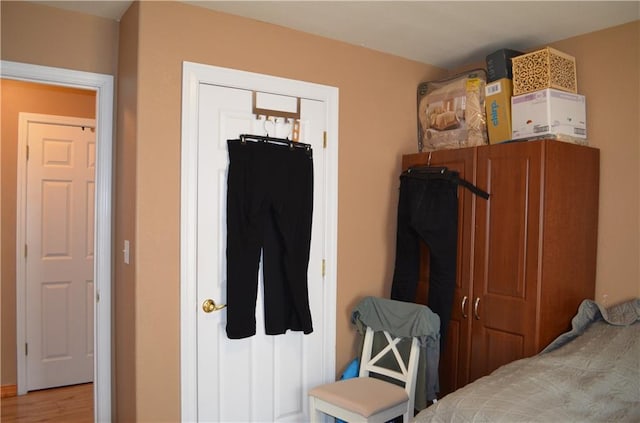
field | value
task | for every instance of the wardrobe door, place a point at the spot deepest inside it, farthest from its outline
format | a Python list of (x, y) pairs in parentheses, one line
[(569, 249), (454, 362), (506, 255)]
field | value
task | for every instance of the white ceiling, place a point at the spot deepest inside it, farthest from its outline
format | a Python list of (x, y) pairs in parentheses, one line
[(441, 33)]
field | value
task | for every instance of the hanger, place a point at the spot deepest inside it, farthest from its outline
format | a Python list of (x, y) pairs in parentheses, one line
[(432, 170), (427, 169), (425, 172), (244, 138)]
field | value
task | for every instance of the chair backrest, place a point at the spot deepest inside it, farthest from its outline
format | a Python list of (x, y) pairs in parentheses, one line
[(396, 368)]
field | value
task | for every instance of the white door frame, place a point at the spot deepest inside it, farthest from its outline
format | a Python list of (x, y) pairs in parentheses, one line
[(194, 74), (103, 86)]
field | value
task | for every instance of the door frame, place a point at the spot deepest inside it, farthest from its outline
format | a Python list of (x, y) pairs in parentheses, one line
[(194, 74), (103, 86), (22, 298)]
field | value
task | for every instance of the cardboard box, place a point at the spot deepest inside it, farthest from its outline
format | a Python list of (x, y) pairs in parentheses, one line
[(497, 103), (549, 113), (546, 68), (499, 64)]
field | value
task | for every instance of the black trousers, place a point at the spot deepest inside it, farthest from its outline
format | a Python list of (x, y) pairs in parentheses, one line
[(427, 211), (269, 211)]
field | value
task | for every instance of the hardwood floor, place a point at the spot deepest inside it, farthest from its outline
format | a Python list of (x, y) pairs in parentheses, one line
[(67, 404)]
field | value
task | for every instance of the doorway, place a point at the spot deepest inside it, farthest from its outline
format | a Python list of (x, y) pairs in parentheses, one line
[(102, 85)]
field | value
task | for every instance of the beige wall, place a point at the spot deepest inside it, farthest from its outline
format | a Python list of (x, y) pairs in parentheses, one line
[(125, 219), (377, 125), (32, 33), (19, 97), (608, 68)]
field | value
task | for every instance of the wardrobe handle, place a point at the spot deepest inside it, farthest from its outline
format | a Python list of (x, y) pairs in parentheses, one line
[(475, 308), (464, 306)]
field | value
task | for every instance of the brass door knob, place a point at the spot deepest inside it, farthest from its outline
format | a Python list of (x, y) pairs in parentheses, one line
[(209, 305)]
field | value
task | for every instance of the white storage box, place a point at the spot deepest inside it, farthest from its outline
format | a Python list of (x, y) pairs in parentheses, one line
[(549, 113)]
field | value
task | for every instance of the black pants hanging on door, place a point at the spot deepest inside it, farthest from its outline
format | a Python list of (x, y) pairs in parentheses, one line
[(269, 211), (427, 211)]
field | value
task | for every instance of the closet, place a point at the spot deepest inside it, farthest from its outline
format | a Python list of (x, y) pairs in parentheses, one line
[(526, 256)]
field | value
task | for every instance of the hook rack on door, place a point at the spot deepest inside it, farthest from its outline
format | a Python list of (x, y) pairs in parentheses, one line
[(272, 113)]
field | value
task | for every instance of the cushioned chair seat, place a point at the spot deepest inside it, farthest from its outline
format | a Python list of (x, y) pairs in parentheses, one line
[(364, 395)]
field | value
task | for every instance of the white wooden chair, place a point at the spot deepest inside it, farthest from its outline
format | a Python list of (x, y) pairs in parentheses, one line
[(369, 399)]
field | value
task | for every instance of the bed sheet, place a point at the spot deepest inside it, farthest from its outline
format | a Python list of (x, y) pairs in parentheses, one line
[(590, 374)]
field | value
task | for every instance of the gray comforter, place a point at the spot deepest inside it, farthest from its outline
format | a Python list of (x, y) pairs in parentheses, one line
[(590, 374)]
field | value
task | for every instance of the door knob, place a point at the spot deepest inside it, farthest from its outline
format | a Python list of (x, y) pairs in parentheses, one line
[(209, 305)]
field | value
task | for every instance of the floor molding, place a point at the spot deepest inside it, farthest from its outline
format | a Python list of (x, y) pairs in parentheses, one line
[(8, 391)]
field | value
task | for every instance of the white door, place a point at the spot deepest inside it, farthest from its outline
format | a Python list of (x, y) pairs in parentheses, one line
[(262, 378), (59, 254)]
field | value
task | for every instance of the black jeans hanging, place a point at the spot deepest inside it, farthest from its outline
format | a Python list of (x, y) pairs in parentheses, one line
[(427, 211), (269, 210)]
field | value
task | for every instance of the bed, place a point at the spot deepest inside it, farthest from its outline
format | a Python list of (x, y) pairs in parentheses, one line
[(590, 374)]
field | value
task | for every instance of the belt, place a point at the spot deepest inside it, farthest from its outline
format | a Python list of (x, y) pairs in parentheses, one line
[(445, 174)]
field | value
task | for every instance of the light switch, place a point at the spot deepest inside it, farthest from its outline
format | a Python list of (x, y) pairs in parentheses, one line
[(126, 251)]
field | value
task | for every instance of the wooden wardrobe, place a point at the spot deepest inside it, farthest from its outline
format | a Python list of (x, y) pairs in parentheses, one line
[(526, 256)]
